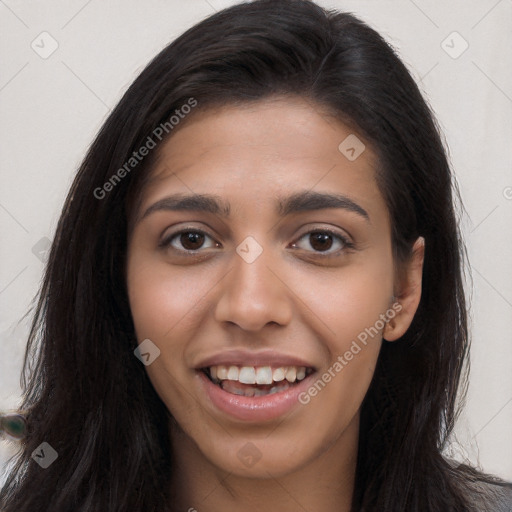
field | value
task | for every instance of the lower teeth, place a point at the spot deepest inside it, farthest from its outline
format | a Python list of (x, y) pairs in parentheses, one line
[(250, 391)]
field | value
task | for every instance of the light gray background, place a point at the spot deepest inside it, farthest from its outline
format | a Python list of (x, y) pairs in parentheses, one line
[(50, 109)]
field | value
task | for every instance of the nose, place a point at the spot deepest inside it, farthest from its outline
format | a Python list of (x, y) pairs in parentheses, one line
[(254, 294)]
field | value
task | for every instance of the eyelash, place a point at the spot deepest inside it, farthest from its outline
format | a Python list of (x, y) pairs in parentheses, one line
[(347, 245)]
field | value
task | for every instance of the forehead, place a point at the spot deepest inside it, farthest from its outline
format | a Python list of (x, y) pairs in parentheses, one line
[(256, 152)]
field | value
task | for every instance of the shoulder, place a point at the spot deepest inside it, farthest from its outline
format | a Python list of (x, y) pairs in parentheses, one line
[(491, 496)]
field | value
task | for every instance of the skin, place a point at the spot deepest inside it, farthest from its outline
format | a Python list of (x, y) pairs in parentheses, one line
[(289, 299)]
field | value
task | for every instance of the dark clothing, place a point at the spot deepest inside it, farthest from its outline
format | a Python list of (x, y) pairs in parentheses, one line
[(493, 498)]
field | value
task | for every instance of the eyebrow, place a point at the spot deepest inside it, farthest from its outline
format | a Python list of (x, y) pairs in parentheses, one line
[(295, 203)]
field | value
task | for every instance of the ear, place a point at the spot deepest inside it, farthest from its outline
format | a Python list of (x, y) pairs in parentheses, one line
[(407, 293)]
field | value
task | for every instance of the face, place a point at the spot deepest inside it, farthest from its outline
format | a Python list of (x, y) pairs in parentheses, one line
[(269, 286)]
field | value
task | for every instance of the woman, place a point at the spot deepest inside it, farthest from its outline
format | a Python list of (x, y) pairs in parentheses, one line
[(254, 298)]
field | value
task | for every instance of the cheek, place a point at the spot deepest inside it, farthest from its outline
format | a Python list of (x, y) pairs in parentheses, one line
[(161, 297), (163, 303), (167, 306), (351, 307), (349, 301)]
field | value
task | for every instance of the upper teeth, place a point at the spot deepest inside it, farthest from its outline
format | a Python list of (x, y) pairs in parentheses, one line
[(258, 374)]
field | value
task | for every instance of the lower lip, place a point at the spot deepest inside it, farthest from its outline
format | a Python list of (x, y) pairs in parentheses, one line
[(257, 408)]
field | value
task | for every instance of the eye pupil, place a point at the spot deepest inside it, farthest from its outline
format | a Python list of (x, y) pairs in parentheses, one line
[(192, 237), (321, 238)]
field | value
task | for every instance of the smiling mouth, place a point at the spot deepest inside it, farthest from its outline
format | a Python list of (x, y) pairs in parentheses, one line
[(256, 381)]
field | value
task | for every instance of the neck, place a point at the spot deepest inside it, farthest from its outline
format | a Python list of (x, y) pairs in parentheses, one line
[(325, 482)]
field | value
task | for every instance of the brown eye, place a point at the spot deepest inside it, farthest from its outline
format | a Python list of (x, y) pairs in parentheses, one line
[(322, 241), (191, 240), (187, 240)]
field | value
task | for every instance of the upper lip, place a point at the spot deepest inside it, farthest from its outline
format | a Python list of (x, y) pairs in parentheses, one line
[(247, 358)]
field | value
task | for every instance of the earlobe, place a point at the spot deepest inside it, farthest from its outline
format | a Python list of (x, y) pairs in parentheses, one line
[(407, 294)]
